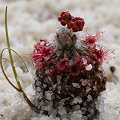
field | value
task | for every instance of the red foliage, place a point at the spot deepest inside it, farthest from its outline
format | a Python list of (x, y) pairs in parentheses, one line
[(89, 38), (100, 55)]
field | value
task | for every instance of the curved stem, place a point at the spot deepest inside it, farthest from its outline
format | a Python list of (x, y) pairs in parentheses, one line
[(6, 75), (10, 55), (19, 89)]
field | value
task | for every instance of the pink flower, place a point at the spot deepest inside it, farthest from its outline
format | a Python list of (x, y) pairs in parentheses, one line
[(63, 65), (42, 52)]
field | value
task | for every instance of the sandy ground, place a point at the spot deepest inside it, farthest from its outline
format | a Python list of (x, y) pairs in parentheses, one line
[(28, 21)]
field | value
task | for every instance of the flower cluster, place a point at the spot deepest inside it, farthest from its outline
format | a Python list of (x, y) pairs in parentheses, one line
[(74, 23)]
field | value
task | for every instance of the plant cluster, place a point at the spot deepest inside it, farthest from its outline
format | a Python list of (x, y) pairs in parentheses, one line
[(69, 69)]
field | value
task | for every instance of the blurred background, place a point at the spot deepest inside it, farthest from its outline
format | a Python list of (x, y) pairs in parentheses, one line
[(29, 20)]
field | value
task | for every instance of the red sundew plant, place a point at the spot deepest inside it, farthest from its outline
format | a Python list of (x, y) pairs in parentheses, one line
[(66, 70), (42, 52)]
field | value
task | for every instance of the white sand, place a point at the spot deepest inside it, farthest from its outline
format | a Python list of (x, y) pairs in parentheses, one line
[(28, 20)]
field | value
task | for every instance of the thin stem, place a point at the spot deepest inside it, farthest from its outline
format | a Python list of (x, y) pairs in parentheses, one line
[(10, 55), (12, 64)]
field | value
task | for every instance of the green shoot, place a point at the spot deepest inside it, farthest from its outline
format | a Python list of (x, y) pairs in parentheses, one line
[(10, 55)]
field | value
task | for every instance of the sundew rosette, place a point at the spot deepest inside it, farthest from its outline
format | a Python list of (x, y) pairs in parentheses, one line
[(69, 76)]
